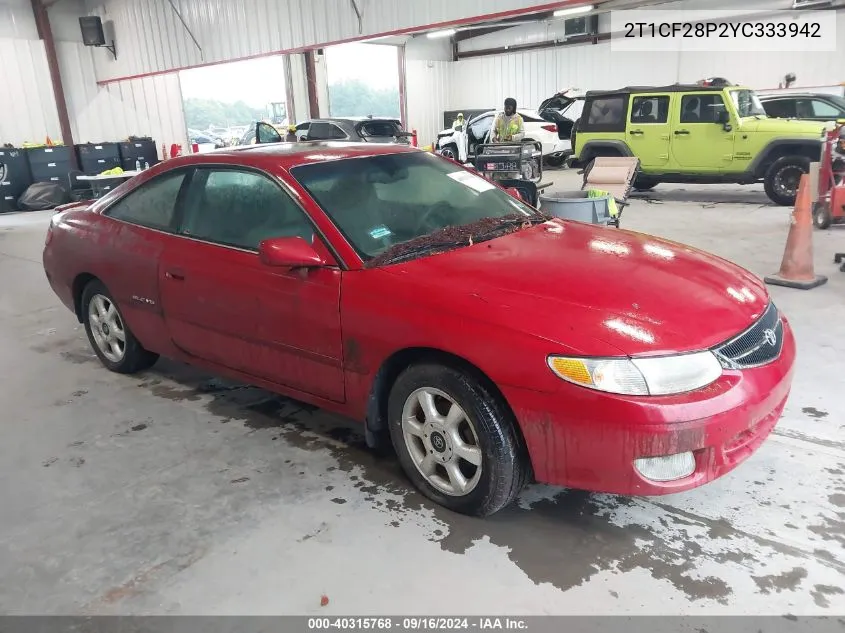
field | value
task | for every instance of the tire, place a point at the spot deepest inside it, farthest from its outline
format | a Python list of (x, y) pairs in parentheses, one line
[(122, 357), (781, 179), (486, 432), (822, 218), (644, 183), (450, 151), (554, 161)]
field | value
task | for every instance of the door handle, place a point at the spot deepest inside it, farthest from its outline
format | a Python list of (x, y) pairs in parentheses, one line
[(637, 132), (175, 274), (679, 132)]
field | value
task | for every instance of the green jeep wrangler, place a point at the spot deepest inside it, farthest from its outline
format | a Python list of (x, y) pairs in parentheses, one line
[(697, 134)]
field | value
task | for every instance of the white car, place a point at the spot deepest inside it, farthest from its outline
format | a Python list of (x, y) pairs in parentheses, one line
[(551, 125)]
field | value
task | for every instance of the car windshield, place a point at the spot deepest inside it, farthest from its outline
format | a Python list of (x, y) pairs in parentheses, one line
[(410, 203), (747, 103)]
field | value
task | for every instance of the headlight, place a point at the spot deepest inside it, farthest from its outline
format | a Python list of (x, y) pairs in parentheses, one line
[(640, 376)]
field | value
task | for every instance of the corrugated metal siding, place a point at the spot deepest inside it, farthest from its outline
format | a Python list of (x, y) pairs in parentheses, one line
[(16, 20), (149, 106), (529, 77), (150, 37), (428, 89), (28, 106)]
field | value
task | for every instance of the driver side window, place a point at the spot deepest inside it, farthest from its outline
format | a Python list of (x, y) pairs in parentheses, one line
[(239, 208)]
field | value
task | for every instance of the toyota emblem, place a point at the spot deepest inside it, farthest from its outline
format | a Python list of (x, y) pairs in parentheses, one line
[(770, 337)]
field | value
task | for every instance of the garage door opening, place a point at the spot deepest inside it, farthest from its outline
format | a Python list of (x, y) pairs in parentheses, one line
[(223, 102), (363, 80)]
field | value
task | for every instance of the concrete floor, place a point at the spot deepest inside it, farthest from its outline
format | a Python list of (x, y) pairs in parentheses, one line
[(174, 492)]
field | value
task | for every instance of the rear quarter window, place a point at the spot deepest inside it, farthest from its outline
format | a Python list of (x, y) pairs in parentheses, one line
[(379, 128), (605, 114)]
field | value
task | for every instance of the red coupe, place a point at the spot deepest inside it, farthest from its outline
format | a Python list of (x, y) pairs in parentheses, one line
[(492, 344)]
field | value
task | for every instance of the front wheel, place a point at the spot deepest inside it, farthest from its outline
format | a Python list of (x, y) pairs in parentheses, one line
[(783, 177), (555, 161), (449, 151), (110, 337), (456, 442)]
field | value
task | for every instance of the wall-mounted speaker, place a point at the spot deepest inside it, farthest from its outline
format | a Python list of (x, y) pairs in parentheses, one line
[(92, 31)]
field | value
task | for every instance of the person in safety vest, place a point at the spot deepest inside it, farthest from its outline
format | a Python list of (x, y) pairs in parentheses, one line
[(458, 124), (508, 125)]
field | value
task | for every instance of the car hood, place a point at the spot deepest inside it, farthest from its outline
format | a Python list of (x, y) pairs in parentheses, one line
[(592, 290), (785, 126)]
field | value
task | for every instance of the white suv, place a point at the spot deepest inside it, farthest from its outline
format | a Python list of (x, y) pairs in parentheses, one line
[(551, 125)]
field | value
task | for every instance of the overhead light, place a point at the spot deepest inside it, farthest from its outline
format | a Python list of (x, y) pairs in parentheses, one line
[(445, 33), (574, 10)]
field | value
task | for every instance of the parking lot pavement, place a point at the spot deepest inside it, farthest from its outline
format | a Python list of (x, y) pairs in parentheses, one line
[(178, 492)]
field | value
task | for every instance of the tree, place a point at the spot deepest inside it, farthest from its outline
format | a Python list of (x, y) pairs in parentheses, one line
[(202, 113), (355, 98)]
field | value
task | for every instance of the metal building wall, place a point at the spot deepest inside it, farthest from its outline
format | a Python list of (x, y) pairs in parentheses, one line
[(28, 106), (149, 106), (428, 91), (151, 38), (16, 20), (484, 82)]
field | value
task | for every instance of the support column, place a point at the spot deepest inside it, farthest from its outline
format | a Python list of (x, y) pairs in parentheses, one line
[(311, 80), (290, 97), (45, 33), (403, 101)]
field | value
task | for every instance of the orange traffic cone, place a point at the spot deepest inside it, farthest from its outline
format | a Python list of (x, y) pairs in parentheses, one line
[(796, 269)]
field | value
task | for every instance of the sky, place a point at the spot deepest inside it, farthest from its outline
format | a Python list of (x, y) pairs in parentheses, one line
[(260, 81)]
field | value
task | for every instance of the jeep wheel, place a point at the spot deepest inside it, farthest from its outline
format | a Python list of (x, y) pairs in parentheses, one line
[(782, 179), (644, 183)]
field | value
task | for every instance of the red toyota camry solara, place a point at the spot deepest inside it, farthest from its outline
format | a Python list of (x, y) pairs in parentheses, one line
[(493, 345)]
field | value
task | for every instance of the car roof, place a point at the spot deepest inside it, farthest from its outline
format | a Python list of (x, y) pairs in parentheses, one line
[(793, 95), (289, 155), (355, 119), (672, 88)]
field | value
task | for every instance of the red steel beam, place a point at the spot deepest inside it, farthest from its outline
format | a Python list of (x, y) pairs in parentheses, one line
[(311, 81), (45, 32)]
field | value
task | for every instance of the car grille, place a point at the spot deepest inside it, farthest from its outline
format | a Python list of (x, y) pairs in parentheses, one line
[(758, 345)]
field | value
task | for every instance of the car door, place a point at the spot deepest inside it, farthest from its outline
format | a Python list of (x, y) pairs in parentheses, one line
[(223, 305), (478, 132), (266, 133), (648, 131), (133, 244), (699, 140)]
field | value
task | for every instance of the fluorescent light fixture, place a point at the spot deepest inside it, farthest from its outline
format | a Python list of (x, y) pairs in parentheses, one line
[(444, 33), (574, 10)]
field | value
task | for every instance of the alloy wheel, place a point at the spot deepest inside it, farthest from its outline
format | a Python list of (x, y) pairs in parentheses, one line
[(442, 441), (107, 328)]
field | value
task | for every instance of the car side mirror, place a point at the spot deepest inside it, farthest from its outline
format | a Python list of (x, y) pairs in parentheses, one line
[(289, 252), (724, 119)]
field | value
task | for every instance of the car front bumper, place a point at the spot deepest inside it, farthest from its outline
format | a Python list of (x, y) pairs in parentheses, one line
[(589, 440)]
